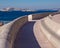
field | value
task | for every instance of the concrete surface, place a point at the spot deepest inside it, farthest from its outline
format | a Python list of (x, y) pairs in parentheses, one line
[(25, 32), (4, 30), (41, 37), (56, 18)]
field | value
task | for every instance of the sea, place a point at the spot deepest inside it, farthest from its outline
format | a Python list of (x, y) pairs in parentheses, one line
[(7, 16)]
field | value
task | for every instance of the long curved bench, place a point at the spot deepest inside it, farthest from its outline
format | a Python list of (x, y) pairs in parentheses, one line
[(49, 28), (54, 26)]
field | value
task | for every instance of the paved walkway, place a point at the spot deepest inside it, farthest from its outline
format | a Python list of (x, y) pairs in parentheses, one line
[(30, 36), (26, 38)]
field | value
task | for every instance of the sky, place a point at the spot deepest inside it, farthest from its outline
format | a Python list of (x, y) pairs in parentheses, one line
[(31, 4)]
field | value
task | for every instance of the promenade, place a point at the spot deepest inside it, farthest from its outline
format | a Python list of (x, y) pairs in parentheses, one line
[(31, 32), (31, 36)]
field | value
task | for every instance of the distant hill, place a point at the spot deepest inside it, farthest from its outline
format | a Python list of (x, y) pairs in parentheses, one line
[(16, 9), (27, 10)]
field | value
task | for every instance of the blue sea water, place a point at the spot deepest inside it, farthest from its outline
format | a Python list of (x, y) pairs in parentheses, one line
[(7, 16)]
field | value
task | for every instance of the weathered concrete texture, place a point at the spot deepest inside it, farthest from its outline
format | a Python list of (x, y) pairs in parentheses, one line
[(56, 18), (4, 30), (39, 16), (51, 24)]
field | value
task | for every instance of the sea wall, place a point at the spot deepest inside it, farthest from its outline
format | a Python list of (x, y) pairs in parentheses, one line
[(39, 16), (11, 29), (18, 23), (54, 13)]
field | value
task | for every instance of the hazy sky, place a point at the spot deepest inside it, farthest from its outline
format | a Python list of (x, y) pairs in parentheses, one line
[(33, 4)]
